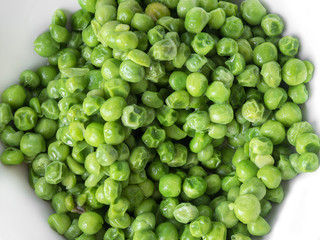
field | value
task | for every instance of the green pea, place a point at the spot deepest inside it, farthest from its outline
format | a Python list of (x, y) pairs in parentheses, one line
[(170, 185), (289, 46), (185, 212), (114, 133), (264, 53), (45, 45), (32, 144), (196, 84), (247, 208), (12, 156), (288, 114), (232, 27), (196, 19), (14, 95), (272, 25), (217, 18), (153, 137), (294, 72), (90, 222), (221, 113), (60, 222), (218, 231), (252, 11), (45, 190)]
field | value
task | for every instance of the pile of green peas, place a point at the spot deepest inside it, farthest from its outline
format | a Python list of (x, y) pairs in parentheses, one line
[(161, 120)]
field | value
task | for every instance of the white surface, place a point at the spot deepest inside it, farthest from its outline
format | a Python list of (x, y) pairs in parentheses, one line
[(23, 216)]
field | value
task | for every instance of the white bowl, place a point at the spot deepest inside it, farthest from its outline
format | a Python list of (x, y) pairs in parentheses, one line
[(24, 216)]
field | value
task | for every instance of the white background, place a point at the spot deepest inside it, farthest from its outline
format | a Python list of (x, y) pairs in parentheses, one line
[(24, 216)]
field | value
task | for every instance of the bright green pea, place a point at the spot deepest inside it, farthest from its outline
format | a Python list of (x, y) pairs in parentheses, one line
[(247, 208), (170, 185), (59, 222), (45, 45), (45, 190), (200, 227), (252, 11), (217, 18), (249, 77), (32, 144), (218, 231), (227, 47), (195, 62), (265, 52), (114, 133), (196, 84), (270, 176), (294, 72), (196, 19), (202, 43), (90, 222), (116, 87), (12, 156), (288, 114), (272, 25), (253, 111), (289, 46), (194, 186), (260, 227), (185, 212), (221, 113), (275, 97), (232, 27), (299, 93), (133, 116), (271, 73), (131, 71), (236, 64), (163, 50), (153, 137), (25, 118)]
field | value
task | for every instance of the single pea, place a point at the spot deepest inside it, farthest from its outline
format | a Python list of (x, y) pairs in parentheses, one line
[(299, 93), (252, 11), (236, 64), (90, 222), (114, 133), (275, 97), (221, 113), (12, 156), (288, 114), (14, 95), (194, 186), (247, 208), (265, 52), (249, 77), (170, 185), (196, 19), (59, 222), (45, 45), (32, 144), (202, 43), (272, 25), (289, 46), (217, 18), (185, 212), (200, 227), (196, 84), (294, 72), (252, 111), (270, 176), (232, 27)]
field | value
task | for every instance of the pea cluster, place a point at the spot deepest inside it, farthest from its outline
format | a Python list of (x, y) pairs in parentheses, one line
[(161, 120)]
